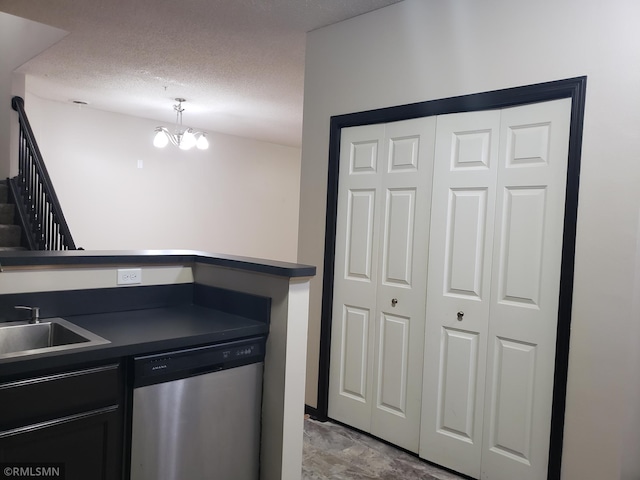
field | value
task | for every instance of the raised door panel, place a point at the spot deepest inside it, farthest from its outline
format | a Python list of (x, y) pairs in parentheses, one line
[(400, 308), (457, 384), (511, 422), (356, 275), (391, 394), (525, 290), (459, 276), (465, 248), (359, 236), (397, 256), (519, 277), (354, 353)]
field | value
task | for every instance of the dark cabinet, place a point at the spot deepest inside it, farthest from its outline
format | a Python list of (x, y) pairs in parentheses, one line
[(72, 418)]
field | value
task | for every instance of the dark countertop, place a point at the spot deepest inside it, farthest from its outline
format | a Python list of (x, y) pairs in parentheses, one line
[(152, 257), (139, 332)]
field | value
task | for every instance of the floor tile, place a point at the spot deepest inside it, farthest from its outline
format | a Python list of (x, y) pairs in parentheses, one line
[(335, 452)]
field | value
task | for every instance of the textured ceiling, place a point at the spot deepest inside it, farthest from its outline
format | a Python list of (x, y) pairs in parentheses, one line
[(239, 63)]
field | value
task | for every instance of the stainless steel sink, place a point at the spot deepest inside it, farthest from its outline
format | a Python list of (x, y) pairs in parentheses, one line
[(51, 335)]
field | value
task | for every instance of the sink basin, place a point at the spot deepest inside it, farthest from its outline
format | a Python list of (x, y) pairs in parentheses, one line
[(52, 335)]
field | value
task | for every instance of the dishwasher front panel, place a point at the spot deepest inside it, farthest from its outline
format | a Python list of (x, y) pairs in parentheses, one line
[(197, 428)]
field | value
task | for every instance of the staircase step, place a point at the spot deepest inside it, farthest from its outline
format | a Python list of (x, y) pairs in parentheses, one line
[(9, 236), (12, 249), (4, 192), (6, 213)]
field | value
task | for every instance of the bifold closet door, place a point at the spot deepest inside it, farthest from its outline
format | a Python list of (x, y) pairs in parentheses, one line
[(459, 287), (493, 289), (378, 316), (525, 289)]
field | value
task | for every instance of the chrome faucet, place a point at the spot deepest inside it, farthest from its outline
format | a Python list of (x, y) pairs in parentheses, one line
[(35, 313)]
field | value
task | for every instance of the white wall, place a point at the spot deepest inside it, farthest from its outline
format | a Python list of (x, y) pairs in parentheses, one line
[(421, 50), (20, 40), (240, 197)]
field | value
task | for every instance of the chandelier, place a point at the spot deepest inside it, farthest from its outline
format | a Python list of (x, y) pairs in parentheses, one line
[(183, 138)]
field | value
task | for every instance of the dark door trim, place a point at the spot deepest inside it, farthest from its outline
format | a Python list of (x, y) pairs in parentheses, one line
[(574, 88)]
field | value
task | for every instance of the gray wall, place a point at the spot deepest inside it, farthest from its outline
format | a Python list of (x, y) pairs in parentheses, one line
[(421, 50), (20, 40)]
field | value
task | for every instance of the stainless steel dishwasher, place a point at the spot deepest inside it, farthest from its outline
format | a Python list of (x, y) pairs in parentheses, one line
[(196, 413)]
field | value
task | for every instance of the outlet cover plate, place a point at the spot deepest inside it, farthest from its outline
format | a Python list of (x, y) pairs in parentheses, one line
[(129, 276)]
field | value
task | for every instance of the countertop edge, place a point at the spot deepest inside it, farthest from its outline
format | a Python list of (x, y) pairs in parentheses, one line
[(148, 257)]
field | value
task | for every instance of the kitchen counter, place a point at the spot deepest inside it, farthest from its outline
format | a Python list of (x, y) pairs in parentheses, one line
[(82, 287), (139, 332)]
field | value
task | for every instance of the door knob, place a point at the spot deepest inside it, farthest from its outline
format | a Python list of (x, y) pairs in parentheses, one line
[(394, 302), (460, 315)]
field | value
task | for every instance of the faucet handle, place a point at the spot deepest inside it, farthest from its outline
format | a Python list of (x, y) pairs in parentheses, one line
[(35, 312)]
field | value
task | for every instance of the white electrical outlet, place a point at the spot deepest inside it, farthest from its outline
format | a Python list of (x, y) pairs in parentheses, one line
[(129, 276)]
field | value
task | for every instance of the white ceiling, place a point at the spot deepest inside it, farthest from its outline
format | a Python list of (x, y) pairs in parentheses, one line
[(239, 63)]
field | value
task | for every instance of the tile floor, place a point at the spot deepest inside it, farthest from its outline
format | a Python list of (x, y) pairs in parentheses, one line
[(332, 451)]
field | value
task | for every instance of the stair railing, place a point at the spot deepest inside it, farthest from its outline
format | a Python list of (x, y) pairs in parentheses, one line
[(32, 187)]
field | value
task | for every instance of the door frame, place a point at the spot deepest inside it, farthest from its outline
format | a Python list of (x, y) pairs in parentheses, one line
[(574, 88)]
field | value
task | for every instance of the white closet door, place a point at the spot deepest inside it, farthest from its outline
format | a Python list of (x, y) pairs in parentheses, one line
[(380, 278), (355, 276), (461, 244), (404, 243), (525, 290), (495, 256)]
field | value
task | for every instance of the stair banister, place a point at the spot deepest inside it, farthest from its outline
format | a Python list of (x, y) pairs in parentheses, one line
[(34, 190)]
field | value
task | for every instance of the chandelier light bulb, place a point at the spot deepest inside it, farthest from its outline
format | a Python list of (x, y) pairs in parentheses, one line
[(202, 142), (160, 140), (188, 140)]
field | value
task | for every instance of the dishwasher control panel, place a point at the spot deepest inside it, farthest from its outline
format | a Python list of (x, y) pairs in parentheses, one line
[(240, 352), (162, 367)]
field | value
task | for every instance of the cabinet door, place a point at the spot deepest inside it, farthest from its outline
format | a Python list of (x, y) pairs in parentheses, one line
[(73, 418), (87, 444)]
